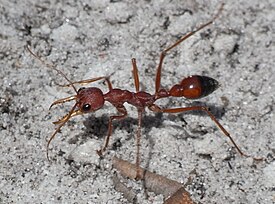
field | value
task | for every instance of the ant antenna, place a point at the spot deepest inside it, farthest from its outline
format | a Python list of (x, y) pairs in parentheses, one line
[(72, 112), (51, 66)]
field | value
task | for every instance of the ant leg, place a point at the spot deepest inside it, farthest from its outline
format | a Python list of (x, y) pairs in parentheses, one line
[(61, 73), (135, 74), (75, 113), (138, 137), (155, 108), (123, 112), (63, 100), (62, 122), (164, 52), (87, 81)]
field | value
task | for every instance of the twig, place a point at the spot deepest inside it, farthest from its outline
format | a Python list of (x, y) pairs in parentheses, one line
[(154, 182), (181, 196), (128, 193)]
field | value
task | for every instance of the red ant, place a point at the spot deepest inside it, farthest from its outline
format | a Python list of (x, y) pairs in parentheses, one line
[(91, 99)]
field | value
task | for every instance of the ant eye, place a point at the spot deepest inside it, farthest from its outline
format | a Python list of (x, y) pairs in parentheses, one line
[(80, 89), (86, 107)]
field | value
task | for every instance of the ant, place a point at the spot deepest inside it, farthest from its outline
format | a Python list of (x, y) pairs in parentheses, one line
[(92, 99)]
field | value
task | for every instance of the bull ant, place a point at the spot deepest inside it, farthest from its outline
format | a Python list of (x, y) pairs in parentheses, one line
[(92, 99)]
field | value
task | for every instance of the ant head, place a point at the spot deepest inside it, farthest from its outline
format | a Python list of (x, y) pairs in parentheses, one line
[(89, 99)]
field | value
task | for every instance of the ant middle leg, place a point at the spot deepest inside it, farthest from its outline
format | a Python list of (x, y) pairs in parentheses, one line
[(183, 38), (123, 112), (138, 137), (156, 108), (135, 74)]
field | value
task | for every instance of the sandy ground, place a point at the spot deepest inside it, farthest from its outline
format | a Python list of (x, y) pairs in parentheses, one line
[(87, 40)]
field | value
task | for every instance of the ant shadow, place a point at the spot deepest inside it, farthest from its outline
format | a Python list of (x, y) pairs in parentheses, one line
[(98, 126)]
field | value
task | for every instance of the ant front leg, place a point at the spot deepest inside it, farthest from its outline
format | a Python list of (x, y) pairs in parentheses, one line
[(123, 112), (156, 108), (63, 100), (88, 81)]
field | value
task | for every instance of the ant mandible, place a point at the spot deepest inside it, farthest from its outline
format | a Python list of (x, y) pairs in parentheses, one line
[(91, 99)]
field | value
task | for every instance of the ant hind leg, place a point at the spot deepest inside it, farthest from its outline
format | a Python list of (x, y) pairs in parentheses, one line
[(155, 108), (183, 38)]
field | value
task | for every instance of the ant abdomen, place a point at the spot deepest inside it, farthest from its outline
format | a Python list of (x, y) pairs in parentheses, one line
[(194, 87)]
